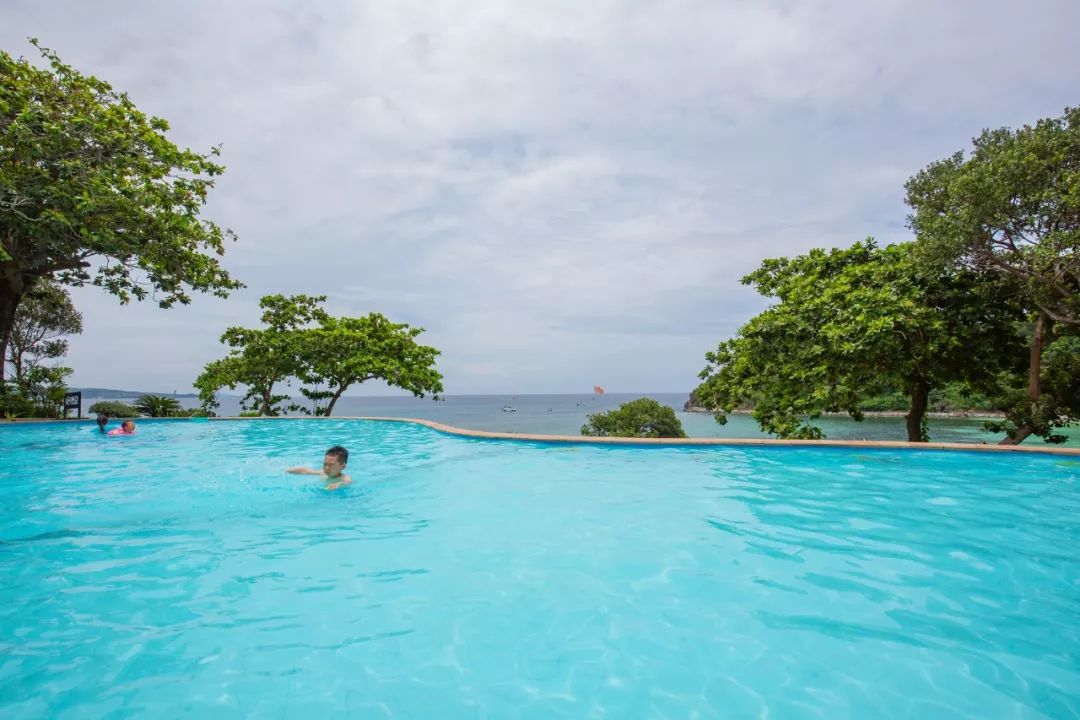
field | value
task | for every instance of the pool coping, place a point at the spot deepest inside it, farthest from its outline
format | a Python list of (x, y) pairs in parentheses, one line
[(684, 442), (644, 442)]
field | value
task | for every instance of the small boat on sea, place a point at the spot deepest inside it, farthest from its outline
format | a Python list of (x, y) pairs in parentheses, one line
[(507, 408)]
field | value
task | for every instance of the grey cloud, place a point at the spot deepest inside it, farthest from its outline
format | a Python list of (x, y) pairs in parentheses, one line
[(561, 193)]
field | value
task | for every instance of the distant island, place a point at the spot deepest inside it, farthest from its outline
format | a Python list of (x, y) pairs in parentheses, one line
[(112, 393)]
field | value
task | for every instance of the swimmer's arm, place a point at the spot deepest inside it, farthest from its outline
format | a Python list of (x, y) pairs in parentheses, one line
[(303, 471), (345, 480)]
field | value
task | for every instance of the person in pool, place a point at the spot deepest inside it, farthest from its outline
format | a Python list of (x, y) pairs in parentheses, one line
[(102, 421), (126, 428), (333, 464)]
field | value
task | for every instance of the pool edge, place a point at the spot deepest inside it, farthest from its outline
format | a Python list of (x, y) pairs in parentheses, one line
[(685, 442)]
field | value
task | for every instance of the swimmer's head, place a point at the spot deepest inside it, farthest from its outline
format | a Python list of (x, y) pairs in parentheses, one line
[(102, 421), (128, 426), (335, 460)]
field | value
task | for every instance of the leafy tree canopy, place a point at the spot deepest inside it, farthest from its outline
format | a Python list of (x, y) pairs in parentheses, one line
[(112, 408), (1013, 208), (343, 352), (263, 359), (158, 406), (40, 393), (644, 418), (92, 191), (1058, 401), (325, 355), (44, 319), (850, 324)]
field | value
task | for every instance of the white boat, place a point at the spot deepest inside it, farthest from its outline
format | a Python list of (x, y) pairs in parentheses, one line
[(507, 408)]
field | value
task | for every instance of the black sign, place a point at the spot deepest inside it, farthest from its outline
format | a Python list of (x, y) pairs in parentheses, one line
[(73, 401)]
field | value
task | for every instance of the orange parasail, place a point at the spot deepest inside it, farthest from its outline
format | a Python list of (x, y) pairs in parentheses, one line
[(598, 390)]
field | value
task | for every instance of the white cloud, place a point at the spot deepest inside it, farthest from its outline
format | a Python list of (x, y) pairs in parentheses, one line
[(561, 193)]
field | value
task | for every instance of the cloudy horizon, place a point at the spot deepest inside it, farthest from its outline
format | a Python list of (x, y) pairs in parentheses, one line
[(561, 195)]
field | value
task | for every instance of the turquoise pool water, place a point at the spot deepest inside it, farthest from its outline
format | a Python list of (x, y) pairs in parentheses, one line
[(565, 414), (181, 573)]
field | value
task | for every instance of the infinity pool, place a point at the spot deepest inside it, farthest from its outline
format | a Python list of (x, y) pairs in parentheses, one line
[(181, 573)]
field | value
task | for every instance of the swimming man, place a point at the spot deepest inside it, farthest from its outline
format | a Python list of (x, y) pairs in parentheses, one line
[(333, 464)]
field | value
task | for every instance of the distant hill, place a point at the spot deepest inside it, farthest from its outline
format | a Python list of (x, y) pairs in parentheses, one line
[(111, 393)]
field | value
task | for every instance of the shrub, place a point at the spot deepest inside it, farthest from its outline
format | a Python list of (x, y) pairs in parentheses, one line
[(158, 406), (40, 393), (14, 404), (113, 408), (45, 386), (644, 417)]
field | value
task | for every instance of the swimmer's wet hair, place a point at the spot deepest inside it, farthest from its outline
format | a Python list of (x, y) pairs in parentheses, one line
[(340, 453)]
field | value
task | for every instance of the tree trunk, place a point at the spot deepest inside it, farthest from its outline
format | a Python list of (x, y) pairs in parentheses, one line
[(1038, 340), (16, 364), (12, 287), (920, 393), (266, 393), (334, 399)]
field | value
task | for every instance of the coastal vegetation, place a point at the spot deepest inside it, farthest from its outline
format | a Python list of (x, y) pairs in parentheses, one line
[(853, 323), (159, 406), (93, 192), (1012, 209), (643, 418), (301, 345), (989, 287), (43, 322), (38, 336), (981, 310), (114, 409), (148, 405)]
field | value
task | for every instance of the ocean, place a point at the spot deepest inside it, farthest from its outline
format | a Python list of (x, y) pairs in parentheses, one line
[(565, 414)]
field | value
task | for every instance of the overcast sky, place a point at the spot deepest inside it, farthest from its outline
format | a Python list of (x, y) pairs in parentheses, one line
[(561, 193)]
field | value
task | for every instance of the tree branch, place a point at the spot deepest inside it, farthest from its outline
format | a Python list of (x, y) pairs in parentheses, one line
[(1058, 317)]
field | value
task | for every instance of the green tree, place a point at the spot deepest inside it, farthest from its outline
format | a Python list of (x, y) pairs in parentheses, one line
[(263, 359), (114, 408), (218, 374), (328, 355), (13, 403), (850, 325), (44, 386), (644, 418), (1058, 404), (158, 406), (44, 318), (1012, 208), (92, 191), (345, 351)]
